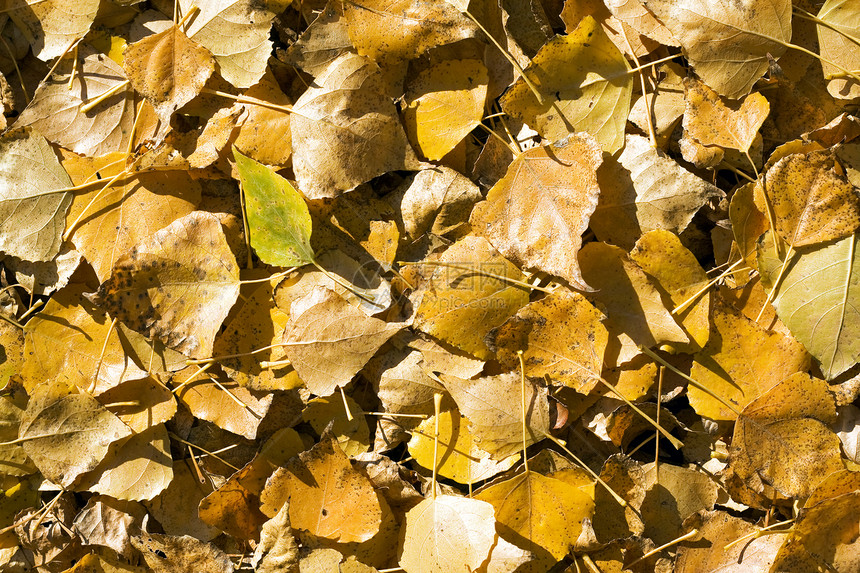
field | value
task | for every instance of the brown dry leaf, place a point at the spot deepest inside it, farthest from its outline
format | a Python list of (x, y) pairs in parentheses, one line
[(561, 335), (65, 433), (782, 437), (277, 551), (662, 255), (713, 120), (131, 210), (543, 513), (537, 213), (176, 507), (627, 478), (812, 202), (824, 535), (447, 533), (458, 455), (32, 181), (740, 362), (727, 43), (673, 494), (225, 404), (73, 341), (109, 523), (633, 304), (719, 530), (135, 469), (52, 25), (395, 30), (324, 40), (585, 83), (185, 554), (438, 201), (328, 341), (345, 115), (55, 108), (837, 36), (94, 563), (657, 193), (177, 285), (168, 69), (337, 502), (462, 303), (493, 406), (443, 104)]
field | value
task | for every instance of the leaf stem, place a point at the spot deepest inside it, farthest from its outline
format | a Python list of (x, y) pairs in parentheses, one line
[(437, 406), (92, 201), (683, 306), (502, 278), (690, 534), (523, 408), (621, 501), (207, 452), (91, 103), (757, 533)]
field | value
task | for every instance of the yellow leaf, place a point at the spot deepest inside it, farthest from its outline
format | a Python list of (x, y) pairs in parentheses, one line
[(837, 37), (168, 554), (537, 213), (51, 25), (140, 404), (585, 84), (713, 120), (168, 69), (176, 507), (264, 134), (225, 404), (443, 104), (353, 436)]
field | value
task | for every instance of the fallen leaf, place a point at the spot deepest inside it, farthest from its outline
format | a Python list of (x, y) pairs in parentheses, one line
[(665, 107), (634, 13), (13, 458), (342, 117), (338, 502), (178, 285), (544, 229), (55, 108), (225, 404), (656, 194), (328, 341), (816, 301), (175, 554), (727, 43), (33, 182), (585, 83), (836, 33), (447, 533), (353, 436), (176, 507), (671, 496), (109, 523), (324, 40), (463, 303), (561, 336), (438, 201), (713, 120), (278, 551), (740, 362), (265, 132), (493, 406), (65, 433), (443, 104), (52, 25), (782, 437), (168, 69)]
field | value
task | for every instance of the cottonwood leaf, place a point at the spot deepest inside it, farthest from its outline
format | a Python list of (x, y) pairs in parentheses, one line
[(278, 218), (537, 213), (493, 406), (265, 132), (546, 512), (324, 40), (52, 25), (395, 30), (240, 413), (585, 83), (461, 304), (561, 336), (457, 456), (447, 533), (234, 509), (633, 304), (73, 341), (837, 37), (727, 43), (138, 468), (748, 220), (128, 212), (672, 496), (185, 554), (782, 437), (32, 182), (237, 33), (178, 285), (713, 120), (438, 201), (656, 194), (740, 362), (817, 299), (811, 202), (140, 404), (55, 112), (168, 69), (443, 104), (353, 436), (338, 502), (635, 14), (109, 523), (67, 434), (13, 458), (176, 507), (664, 107), (277, 551), (328, 341), (343, 116)]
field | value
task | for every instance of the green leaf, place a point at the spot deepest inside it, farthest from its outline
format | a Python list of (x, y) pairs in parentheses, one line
[(818, 299), (278, 218)]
